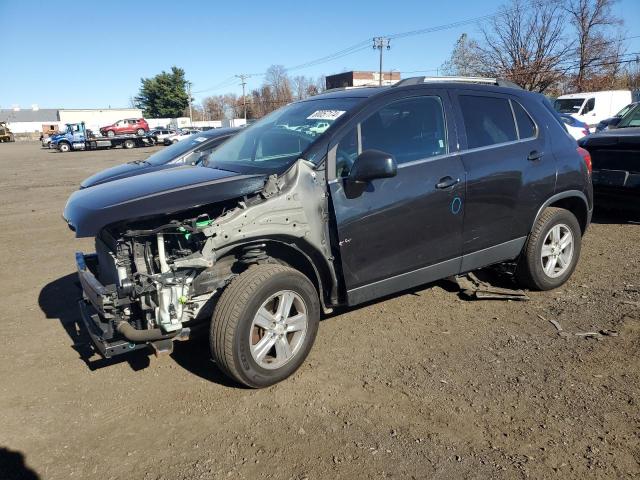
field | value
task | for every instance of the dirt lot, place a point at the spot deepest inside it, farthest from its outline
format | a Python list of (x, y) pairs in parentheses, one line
[(421, 385)]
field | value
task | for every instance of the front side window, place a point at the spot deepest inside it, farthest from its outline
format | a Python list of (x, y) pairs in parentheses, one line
[(632, 119), (589, 106), (487, 120), (409, 129), (346, 152)]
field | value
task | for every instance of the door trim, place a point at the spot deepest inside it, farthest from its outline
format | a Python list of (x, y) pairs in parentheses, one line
[(404, 281), (490, 255)]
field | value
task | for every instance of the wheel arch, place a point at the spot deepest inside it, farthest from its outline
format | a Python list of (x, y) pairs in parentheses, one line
[(573, 200), (297, 254)]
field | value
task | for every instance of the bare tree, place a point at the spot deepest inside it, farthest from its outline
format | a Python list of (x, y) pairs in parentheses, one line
[(464, 60), (525, 45), (599, 44), (233, 105), (214, 107), (300, 85), (277, 79)]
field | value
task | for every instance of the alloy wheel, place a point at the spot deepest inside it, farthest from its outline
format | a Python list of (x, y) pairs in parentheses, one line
[(278, 329)]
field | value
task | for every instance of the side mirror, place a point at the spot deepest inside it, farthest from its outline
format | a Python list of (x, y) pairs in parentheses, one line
[(372, 164)]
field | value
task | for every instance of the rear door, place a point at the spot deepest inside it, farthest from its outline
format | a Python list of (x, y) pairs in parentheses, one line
[(399, 232), (510, 172)]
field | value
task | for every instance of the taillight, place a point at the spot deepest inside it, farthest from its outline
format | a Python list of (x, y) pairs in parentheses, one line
[(586, 156)]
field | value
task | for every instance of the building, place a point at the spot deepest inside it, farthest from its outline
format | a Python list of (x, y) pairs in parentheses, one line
[(30, 120), (29, 123), (361, 79)]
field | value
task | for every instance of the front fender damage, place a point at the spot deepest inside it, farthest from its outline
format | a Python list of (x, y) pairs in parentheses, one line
[(170, 273)]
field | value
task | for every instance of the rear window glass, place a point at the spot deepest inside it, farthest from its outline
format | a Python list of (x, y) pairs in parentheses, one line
[(487, 120), (526, 127)]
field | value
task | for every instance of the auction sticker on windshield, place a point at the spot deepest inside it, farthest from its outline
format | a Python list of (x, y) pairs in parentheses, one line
[(325, 114), (200, 139)]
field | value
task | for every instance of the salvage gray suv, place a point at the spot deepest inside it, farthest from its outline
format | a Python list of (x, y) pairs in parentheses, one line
[(335, 200)]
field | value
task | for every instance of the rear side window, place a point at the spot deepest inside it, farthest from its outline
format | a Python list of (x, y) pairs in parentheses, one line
[(526, 127), (487, 120)]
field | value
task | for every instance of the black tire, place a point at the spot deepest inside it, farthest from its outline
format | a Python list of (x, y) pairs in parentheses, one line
[(231, 325), (128, 144), (64, 147), (530, 272), (111, 133), (140, 132)]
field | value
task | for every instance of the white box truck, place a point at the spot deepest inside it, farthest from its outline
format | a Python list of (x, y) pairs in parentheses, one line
[(592, 107)]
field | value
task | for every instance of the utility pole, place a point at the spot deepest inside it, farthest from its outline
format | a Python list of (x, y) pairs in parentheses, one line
[(243, 77), (381, 43), (190, 110)]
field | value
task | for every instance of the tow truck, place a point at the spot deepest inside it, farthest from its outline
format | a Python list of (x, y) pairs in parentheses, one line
[(77, 137)]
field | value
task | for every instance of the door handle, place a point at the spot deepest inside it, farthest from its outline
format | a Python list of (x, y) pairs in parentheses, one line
[(446, 182), (535, 155)]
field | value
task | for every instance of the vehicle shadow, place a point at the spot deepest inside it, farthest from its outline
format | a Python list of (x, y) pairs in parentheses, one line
[(59, 300), (611, 216), (195, 357), (14, 467)]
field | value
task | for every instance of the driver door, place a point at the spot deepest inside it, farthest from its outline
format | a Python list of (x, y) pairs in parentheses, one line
[(399, 232)]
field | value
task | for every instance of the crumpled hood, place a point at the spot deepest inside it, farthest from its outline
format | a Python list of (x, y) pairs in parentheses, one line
[(123, 171), (154, 193)]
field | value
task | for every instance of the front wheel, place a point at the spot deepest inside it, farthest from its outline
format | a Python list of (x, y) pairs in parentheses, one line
[(129, 144), (111, 133), (264, 325), (551, 253), (64, 147)]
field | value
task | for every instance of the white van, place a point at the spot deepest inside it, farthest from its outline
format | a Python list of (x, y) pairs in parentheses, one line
[(591, 107)]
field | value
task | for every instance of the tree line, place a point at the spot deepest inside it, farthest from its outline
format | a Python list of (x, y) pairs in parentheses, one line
[(552, 46), (277, 89)]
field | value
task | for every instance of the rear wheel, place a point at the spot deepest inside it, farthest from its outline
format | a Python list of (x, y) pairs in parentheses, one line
[(140, 132), (551, 253), (264, 325), (129, 144)]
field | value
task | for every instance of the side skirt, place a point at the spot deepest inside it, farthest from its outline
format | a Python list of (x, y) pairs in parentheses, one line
[(472, 261)]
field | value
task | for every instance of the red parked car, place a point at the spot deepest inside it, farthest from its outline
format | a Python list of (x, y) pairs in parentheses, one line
[(139, 126)]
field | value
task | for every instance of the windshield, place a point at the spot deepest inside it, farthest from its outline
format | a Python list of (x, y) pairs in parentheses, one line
[(176, 150), (280, 138), (568, 105)]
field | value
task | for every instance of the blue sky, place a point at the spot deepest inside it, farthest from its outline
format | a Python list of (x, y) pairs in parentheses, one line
[(92, 56)]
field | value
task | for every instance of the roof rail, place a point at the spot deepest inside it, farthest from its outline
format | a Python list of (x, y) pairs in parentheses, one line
[(500, 82), (340, 89)]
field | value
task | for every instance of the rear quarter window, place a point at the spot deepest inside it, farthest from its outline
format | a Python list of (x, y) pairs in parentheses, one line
[(487, 120), (526, 126)]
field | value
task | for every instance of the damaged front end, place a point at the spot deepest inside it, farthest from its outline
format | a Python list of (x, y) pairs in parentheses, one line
[(151, 280)]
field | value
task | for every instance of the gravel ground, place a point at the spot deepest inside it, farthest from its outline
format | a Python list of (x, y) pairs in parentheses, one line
[(419, 385)]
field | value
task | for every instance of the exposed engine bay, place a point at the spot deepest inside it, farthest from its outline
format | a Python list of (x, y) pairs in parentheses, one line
[(153, 278)]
